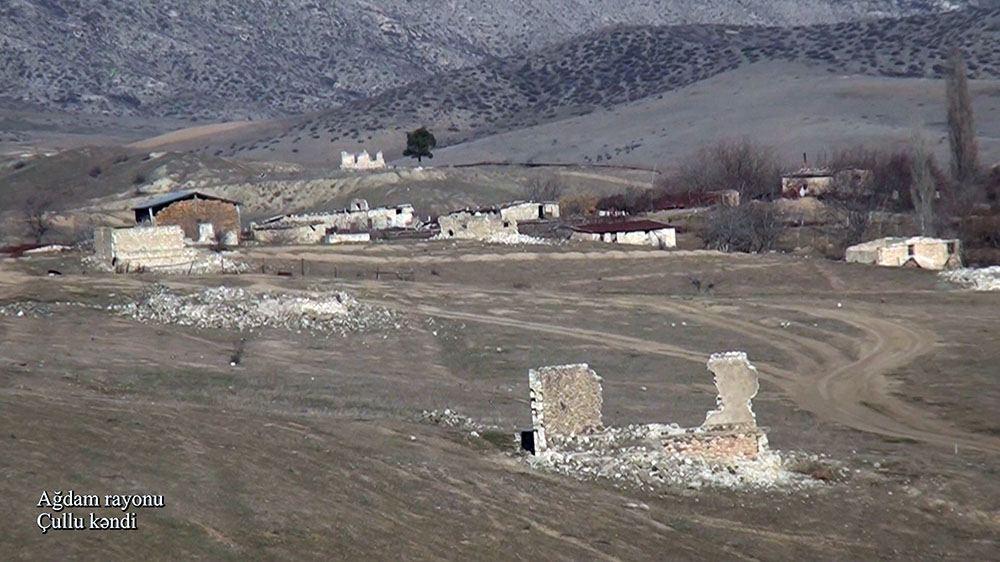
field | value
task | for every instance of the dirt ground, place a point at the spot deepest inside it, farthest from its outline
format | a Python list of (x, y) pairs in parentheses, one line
[(314, 447)]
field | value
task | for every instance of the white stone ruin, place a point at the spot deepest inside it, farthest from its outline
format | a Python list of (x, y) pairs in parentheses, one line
[(361, 161)]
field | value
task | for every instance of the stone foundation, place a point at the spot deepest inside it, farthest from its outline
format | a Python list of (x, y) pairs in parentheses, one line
[(719, 444)]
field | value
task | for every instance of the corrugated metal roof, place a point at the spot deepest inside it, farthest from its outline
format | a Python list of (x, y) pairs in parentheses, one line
[(626, 226), (180, 196)]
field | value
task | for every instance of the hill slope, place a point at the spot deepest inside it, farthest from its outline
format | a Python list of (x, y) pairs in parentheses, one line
[(611, 67), (233, 59), (793, 107)]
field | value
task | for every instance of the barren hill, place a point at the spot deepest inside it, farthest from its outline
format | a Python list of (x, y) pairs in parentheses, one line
[(232, 59), (615, 66)]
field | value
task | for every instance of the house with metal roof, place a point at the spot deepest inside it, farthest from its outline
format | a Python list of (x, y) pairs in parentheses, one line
[(204, 218)]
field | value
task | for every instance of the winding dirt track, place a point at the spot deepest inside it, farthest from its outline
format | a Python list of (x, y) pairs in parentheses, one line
[(822, 378)]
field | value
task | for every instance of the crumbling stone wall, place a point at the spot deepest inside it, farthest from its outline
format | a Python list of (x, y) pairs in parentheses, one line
[(312, 228), (737, 382), (188, 214), (524, 211), (566, 400), (924, 252), (141, 247), (361, 161), (475, 225)]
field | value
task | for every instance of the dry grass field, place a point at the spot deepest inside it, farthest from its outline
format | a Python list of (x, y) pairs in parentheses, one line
[(314, 447)]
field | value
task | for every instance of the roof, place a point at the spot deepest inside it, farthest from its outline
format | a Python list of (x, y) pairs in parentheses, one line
[(810, 173), (898, 241), (180, 196), (625, 226)]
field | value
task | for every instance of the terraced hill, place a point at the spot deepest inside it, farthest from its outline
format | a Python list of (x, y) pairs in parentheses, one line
[(610, 67), (233, 59)]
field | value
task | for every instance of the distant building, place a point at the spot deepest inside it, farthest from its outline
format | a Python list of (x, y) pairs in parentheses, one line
[(312, 228), (918, 251), (476, 224), (807, 182), (816, 182), (204, 218), (361, 161), (524, 211), (637, 232)]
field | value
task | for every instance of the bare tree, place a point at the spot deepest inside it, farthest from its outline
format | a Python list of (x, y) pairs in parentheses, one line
[(923, 187), (36, 218), (743, 165), (961, 127), (751, 227), (543, 190)]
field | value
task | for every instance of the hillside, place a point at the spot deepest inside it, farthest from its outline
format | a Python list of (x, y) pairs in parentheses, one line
[(241, 59), (793, 107), (611, 67)]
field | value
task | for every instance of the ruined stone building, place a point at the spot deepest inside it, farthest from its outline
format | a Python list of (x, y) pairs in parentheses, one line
[(524, 211), (142, 247), (566, 402), (203, 218), (918, 251), (637, 232), (313, 228), (476, 224), (814, 182), (361, 161)]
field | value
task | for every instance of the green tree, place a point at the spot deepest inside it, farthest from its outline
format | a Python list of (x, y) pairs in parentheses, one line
[(419, 144)]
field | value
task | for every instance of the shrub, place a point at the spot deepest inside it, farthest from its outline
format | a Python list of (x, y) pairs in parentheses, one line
[(543, 190), (577, 205), (632, 201), (94, 172), (751, 227), (743, 165)]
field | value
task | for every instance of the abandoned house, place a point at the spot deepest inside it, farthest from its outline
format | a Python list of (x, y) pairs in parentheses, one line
[(142, 247), (814, 182), (637, 232), (918, 251), (475, 224), (204, 218), (524, 211), (314, 228), (361, 161)]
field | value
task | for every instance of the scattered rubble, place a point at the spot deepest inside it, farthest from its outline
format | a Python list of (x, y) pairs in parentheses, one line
[(634, 456), (512, 239), (244, 310), (977, 279)]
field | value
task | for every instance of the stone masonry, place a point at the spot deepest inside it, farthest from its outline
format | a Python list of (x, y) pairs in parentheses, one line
[(737, 383), (566, 400), (142, 247)]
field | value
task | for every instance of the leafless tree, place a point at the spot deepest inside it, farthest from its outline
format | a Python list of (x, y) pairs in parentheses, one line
[(961, 126), (36, 218), (743, 165), (923, 187), (750, 227), (543, 190)]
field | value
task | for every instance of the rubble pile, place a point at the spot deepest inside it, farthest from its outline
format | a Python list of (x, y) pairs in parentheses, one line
[(635, 456), (977, 279), (243, 310), (511, 239)]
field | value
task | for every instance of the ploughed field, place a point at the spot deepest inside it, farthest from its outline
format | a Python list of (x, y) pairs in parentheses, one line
[(297, 441)]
